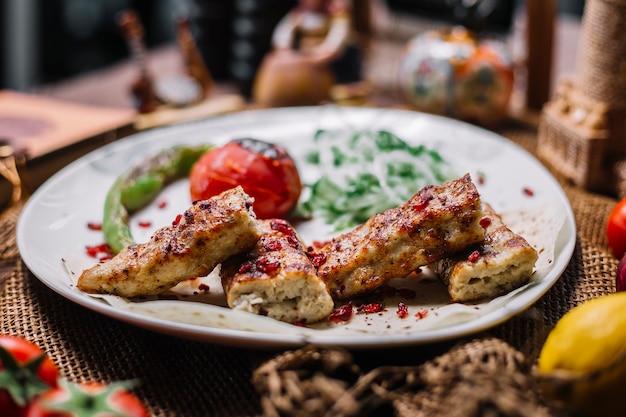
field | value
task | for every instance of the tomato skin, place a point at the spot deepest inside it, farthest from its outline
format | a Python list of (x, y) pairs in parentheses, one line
[(122, 401), (265, 171), (616, 229), (23, 351)]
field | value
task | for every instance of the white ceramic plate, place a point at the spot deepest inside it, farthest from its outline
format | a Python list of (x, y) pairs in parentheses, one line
[(53, 227)]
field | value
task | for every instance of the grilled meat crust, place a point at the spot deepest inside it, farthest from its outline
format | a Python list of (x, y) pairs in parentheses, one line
[(276, 278), (436, 222), (503, 262), (207, 233)]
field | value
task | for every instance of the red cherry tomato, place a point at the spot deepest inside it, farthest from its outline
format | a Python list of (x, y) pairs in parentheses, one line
[(21, 372), (616, 229), (87, 399), (264, 170)]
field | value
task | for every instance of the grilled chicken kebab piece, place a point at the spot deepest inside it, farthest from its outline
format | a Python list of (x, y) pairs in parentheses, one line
[(436, 222), (503, 262), (205, 235), (276, 278)]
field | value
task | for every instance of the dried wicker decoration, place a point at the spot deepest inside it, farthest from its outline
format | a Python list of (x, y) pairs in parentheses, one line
[(582, 130), (483, 377)]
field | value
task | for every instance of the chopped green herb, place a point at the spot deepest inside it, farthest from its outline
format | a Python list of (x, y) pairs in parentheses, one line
[(367, 172)]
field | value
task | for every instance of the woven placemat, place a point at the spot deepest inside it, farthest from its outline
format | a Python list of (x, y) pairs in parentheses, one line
[(177, 377), (186, 378)]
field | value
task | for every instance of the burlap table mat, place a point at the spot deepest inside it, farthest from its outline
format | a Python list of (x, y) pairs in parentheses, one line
[(186, 378)]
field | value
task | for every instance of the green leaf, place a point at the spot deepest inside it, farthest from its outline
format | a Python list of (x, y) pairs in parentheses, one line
[(80, 403), (21, 379)]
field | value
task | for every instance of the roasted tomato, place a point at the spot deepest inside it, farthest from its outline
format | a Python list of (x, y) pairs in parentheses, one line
[(264, 170), (87, 399), (616, 229), (27, 372)]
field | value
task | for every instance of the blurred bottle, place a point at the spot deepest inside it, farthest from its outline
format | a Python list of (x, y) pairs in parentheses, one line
[(211, 25), (252, 27)]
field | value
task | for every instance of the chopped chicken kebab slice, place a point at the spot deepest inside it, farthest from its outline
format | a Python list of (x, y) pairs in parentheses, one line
[(276, 278), (503, 262), (436, 222), (205, 235)]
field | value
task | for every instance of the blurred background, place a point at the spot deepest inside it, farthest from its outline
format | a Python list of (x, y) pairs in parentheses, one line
[(45, 41)]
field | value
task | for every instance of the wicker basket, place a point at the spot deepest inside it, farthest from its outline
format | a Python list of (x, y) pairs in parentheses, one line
[(582, 131)]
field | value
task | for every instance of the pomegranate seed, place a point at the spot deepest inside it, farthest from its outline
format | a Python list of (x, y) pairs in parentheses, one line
[(473, 257), (485, 222), (94, 226), (265, 265), (317, 258), (402, 311), (342, 314)]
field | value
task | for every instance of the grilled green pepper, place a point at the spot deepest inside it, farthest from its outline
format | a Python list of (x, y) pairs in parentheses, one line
[(139, 186)]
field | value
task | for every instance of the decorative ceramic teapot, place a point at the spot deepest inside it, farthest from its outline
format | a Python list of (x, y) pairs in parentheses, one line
[(308, 43), (453, 73)]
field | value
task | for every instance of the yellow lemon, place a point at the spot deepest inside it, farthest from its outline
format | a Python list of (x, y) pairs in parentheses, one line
[(583, 361)]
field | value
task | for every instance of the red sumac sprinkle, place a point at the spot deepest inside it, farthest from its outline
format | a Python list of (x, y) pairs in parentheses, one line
[(145, 224), (177, 220), (162, 204), (528, 191)]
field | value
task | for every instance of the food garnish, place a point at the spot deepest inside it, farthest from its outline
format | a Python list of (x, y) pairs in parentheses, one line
[(264, 170), (139, 186), (367, 172)]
